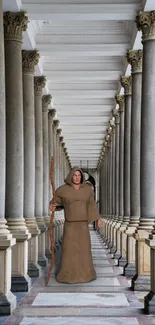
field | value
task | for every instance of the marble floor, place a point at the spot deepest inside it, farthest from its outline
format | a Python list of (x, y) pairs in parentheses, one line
[(106, 301)]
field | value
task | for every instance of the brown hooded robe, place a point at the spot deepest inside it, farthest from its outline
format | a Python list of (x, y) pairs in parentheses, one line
[(79, 209)]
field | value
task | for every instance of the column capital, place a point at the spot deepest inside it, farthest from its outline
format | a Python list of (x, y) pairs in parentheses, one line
[(135, 59), (112, 122), (109, 131), (29, 60), (61, 139), (52, 112), (145, 22), (115, 113), (59, 132), (120, 101), (56, 123), (46, 100), (39, 84), (15, 23), (126, 82)]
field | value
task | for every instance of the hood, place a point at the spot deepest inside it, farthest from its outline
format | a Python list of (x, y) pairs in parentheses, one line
[(68, 179)]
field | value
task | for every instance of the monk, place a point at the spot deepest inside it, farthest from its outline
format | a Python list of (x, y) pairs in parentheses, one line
[(77, 199)]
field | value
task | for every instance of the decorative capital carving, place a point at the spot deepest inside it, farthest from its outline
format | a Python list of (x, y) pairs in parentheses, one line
[(15, 23), (46, 100), (52, 112), (145, 22), (112, 123), (115, 113), (29, 60), (135, 58), (56, 123), (126, 82), (39, 84), (61, 139), (120, 101), (59, 132)]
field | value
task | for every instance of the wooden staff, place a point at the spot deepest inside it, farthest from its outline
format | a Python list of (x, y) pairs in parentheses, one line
[(51, 219)]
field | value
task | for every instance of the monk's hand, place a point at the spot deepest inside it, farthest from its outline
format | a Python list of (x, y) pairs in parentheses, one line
[(52, 207), (99, 223)]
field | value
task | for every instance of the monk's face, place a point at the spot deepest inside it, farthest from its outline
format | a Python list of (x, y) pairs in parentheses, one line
[(76, 177)]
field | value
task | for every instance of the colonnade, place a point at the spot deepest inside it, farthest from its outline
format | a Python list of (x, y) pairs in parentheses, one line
[(29, 136), (127, 168)]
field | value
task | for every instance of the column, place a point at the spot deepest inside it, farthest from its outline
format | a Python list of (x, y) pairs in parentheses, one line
[(61, 139), (58, 214), (109, 174), (61, 160), (120, 102), (64, 161), (7, 299), (55, 126), (14, 25), (39, 84), (29, 60), (107, 186), (55, 225), (116, 176), (126, 82), (46, 100), (135, 59), (146, 23), (112, 162), (58, 154), (51, 115)]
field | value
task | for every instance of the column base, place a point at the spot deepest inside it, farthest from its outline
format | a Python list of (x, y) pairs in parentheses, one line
[(117, 255), (48, 253), (141, 283), (34, 270), (122, 261), (7, 303), (149, 303), (57, 246), (20, 283), (130, 270), (42, 261), (110, 245), (113, 250)]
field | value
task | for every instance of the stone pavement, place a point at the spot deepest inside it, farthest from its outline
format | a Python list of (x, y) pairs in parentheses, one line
[(107, 300)]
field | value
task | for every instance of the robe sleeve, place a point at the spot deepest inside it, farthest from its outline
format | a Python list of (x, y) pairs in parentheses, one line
[(59, 200), (93, 214)]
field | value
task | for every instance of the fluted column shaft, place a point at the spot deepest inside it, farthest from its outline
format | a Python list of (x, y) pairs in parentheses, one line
[(55, 126), (14, 114), (113, 173), (117, 134), (116, 179), (121, 157), (146, 23), (127, 85), (120, 102), (46, 100), (6, 240), (14, 25), (51, 115), (126, 82), (135, 59), (29, 59), (39, 84)]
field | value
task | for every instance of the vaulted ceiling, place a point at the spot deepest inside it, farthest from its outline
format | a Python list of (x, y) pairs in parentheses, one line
[(82, 46)]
